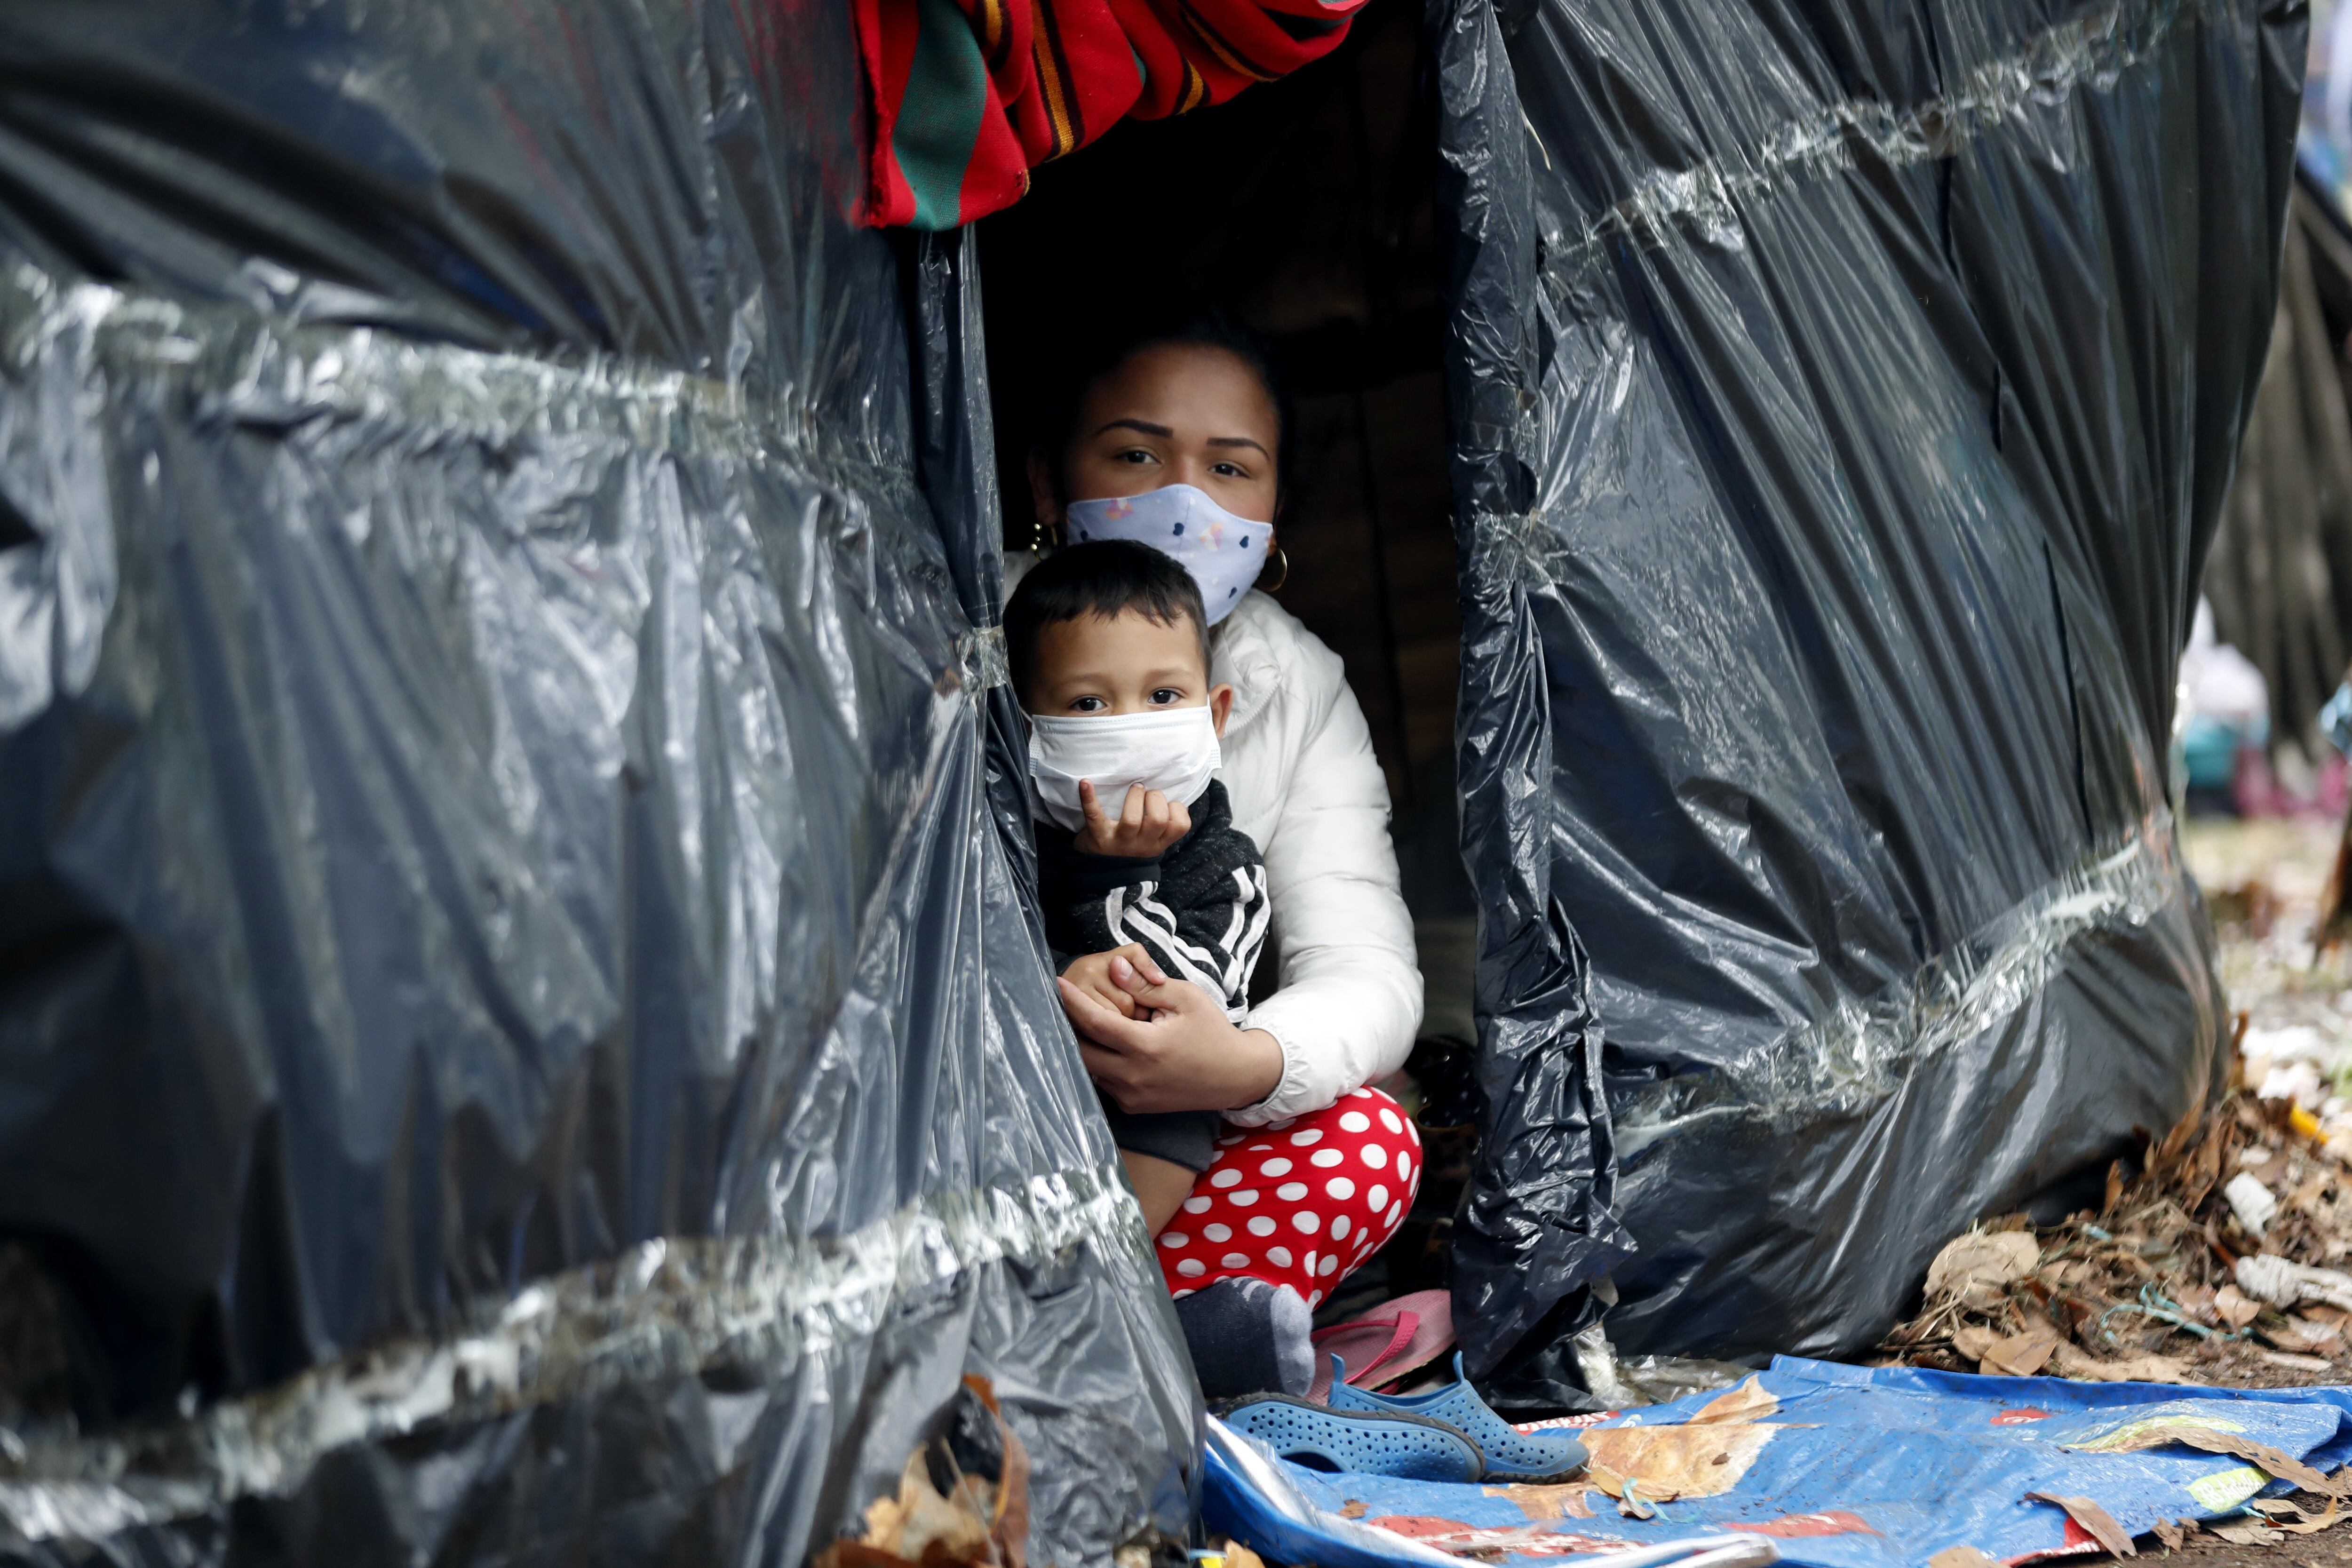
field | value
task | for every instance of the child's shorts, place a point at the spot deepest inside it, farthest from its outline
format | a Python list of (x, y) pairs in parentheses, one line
[(1186, 1138)]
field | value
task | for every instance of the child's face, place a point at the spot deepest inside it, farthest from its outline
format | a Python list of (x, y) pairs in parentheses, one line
[(1170, 413), (1127, 663)]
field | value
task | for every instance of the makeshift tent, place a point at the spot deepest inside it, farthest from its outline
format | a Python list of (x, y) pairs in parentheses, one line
[(1843, 400), (522, 1037), (522, 1034)]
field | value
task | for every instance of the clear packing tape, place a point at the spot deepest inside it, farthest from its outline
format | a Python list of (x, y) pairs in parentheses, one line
[(661, 1311), (1703, 203), (1861, 1054)]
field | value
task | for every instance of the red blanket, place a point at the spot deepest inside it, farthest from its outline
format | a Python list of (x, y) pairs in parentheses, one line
[(968, 96)]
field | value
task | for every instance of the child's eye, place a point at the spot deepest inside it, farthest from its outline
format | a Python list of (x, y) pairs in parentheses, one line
[(1166, 695), (1088, 705)]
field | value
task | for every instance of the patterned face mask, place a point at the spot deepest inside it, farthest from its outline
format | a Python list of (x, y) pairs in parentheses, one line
[(1224, 554)]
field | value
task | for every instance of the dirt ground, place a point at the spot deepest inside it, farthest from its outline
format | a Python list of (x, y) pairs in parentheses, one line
[(2207, 1550), (2262, 880)]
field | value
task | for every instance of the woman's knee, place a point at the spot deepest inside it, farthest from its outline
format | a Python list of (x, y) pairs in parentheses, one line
[(1303, 1202)]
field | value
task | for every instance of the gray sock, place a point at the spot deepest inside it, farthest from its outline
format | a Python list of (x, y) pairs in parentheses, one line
[(1248, 1336)]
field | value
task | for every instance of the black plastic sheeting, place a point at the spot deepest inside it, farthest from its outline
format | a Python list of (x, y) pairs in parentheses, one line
[(521, 1036), (1844, 397)]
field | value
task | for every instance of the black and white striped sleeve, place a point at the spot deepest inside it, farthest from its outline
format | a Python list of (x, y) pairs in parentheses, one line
[(1200, 911), (1210, 933)]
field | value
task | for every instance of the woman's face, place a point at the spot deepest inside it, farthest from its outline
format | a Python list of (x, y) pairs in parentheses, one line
[(1170, 413)]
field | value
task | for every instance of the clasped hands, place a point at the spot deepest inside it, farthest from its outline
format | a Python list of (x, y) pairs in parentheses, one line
[(1170, 1046)]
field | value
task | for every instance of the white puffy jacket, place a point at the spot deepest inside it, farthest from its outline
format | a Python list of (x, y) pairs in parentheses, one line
[(1306, 788), (1303, 784)]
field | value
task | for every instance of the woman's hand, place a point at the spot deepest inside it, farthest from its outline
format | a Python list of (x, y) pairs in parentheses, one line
[(1183, 1053)]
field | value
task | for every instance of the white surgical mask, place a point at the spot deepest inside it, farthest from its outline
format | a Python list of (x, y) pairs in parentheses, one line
[(1224, 554), (1171, 750)]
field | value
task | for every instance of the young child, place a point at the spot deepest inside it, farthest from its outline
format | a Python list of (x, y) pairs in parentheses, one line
[(1109, 650)]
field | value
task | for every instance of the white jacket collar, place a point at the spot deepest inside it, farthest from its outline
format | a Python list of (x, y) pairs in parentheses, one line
[(1245, 653)]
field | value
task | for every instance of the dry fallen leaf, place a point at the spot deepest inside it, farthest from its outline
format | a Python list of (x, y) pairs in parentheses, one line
[(1963, 1557), (1673, 1461), (2234, 1307), (2069, 1361), (1736, 1406), (2300, 1337), (1975, 1268), (975, 1523), (917, 1521), (2020, 1355), (1354, 1508), (1541, 1503), (2318, 1337), (2171, 1532), (2212, 1440), (2092, 1518), (2307, 1524), (2245, 1532), (1973, 1340)]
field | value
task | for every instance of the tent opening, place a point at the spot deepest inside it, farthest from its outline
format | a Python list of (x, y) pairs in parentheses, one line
[(1305, 207)]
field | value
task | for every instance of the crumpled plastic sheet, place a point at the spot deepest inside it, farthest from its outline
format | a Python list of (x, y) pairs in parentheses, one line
[(1843, 403), (1851, 1468), (1287, 1514), (521, 1037)]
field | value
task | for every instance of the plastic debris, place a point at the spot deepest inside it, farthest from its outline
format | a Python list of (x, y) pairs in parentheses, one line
[(2252, 1201), (2282, 1283)]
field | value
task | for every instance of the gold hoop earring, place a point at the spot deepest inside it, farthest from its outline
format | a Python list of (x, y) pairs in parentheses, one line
[(1043, 534), (1275, 587)]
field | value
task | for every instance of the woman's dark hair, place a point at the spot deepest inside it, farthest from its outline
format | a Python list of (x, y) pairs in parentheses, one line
[(1193, 326), (1103, 577)]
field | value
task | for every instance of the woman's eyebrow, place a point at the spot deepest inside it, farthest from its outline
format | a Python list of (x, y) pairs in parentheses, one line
[(1239, 441), (1144, 425)]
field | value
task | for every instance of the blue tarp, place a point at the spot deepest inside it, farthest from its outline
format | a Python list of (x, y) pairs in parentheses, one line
[(1857, 1468)]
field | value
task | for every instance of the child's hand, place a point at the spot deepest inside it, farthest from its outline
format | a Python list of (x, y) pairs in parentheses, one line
[(1091, 975), (1146, 825)]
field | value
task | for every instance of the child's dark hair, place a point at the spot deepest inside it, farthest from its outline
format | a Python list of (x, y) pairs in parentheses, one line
[(1195, 325), (1103, 577)]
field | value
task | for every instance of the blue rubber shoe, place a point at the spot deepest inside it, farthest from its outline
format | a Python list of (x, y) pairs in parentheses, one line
[(1367, 1441), (1510, 1454)]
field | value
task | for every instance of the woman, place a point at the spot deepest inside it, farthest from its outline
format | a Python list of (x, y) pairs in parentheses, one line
[(1197, 406)]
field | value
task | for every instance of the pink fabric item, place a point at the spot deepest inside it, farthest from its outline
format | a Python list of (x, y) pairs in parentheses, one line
[(1301, 1202), (1393, 1341)]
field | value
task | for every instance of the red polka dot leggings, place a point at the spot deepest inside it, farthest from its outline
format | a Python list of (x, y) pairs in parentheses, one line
[(1300, 1203)]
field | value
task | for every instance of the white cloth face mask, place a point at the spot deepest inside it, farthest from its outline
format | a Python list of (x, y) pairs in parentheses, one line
[(1224, 554), (1171, 750)]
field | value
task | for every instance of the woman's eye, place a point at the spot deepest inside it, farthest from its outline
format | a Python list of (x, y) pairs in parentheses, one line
[(1166, 695), (1228, 470), (1136, 456)]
